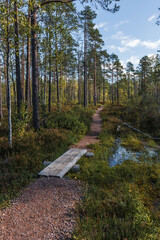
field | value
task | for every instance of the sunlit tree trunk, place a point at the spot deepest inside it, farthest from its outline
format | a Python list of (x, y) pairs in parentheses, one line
[(18, 74), (49, 95), (13, 83), (95, 88), (85, 65)]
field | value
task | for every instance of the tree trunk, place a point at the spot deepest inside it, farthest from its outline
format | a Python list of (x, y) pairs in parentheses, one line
[(104, 90), (85, 65), (112, 87), (117, 89), (8, 82), (18, 74), (128, 86), (49, 95), (45, 79), (79, 81), (5, 74), (27, 89), (1, 113), (35, 97), (14, 85), (22, 72), (95, 88)]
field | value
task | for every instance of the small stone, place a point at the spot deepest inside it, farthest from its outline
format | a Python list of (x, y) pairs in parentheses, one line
[(75, 168), (46, 163), (89, 154)]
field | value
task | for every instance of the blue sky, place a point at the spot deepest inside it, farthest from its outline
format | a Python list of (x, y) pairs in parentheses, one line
[(132, 32)]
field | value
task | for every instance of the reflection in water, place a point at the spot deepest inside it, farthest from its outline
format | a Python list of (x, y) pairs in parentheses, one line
[(122, 154)]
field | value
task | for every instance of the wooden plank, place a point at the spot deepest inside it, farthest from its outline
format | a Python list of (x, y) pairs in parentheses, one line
[(64, 163)]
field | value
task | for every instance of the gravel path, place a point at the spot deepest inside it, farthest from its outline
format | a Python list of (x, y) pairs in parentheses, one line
[(45, 209)]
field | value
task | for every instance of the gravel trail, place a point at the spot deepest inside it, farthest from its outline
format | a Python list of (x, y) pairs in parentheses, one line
[(45, 210), (95, 129)]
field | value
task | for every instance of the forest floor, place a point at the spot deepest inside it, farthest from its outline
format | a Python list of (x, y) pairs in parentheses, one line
[(45, 208)]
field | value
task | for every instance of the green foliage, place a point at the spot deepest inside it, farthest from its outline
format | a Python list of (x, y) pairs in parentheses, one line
[(132, 142), (19, 165), (77, 120), (143, 114), (118, 202), (22, 122)]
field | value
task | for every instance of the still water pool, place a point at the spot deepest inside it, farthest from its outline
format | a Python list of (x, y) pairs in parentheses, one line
[(122, 154)]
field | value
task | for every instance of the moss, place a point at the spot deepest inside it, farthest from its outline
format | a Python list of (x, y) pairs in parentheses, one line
[(132, 142)]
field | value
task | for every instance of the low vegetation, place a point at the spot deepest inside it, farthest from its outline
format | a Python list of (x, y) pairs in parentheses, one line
[(121, 202), (19, 165)]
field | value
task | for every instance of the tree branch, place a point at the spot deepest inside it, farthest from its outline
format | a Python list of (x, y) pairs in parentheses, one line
[(52, 1)]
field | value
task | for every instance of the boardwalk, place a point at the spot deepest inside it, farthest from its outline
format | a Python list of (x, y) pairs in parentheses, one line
[(64, 163)]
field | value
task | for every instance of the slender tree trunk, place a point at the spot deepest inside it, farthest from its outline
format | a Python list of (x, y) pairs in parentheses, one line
[(8, 82), (28, 77), (117, 89), (45, 79), (35, 95), (128, 86), (112, 87), (103, 90), (22, 72), (49, 95), (89, 90), (18, 73), (134, 87), (61, 87), (95, 88), (14, 85), (85, 65), (57, 78), (79, 81), (1, 113), (27, 89)]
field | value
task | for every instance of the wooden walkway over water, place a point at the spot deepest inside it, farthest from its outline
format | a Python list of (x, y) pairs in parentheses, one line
[(63, 164)]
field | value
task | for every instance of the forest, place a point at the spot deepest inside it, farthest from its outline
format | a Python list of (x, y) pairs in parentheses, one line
[(54, 74)]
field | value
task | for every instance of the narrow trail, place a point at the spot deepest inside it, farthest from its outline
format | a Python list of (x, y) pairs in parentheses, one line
[(45, 209), (96, 128)]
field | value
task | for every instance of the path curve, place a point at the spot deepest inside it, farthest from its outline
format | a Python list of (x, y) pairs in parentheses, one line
[(45, 209), (95, 129)]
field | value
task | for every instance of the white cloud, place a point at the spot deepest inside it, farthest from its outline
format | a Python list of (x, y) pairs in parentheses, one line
[(151, 44), (120, 36), (128, 42), (134, 60), (151, 55), (121, 23), (152, 18), (131, 43), (101, 25), (120, 49)]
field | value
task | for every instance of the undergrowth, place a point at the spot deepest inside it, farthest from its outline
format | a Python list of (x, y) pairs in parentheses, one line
[(21, 164), (122, 202)]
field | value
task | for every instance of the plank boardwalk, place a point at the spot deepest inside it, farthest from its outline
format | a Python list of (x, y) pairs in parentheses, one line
[(63, 164)]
